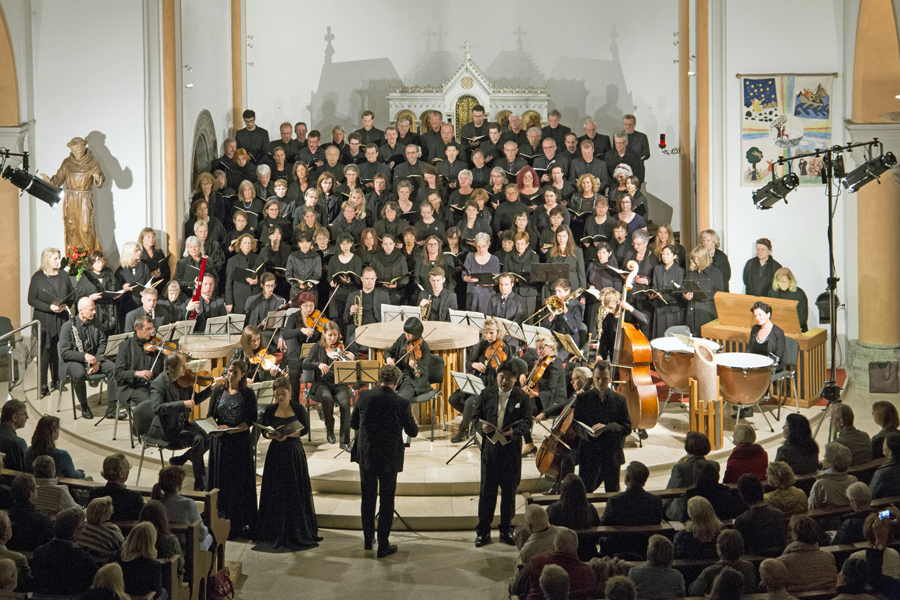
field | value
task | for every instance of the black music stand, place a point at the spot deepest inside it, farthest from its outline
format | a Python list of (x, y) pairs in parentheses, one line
[(469, 384), (353, 372)]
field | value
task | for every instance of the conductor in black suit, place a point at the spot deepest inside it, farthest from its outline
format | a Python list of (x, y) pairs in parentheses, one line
[(508, 409), (380, 417)]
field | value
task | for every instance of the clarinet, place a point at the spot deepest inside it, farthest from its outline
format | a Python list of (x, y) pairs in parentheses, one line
[(78, 343)]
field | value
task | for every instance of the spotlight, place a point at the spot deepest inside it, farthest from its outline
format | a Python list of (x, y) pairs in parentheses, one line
[(35, 186), (774, 191), (869, 171)]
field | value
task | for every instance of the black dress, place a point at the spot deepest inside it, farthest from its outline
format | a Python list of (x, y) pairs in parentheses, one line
[(287, 515), (231, 468), (107, 308), (701, 308)]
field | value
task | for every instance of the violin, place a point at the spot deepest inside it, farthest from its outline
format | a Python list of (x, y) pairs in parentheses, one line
[(537, 373), (494, 354), (317, 321), (340, 353), (166, 348), (414, 351), (266, 361), (199, 380)]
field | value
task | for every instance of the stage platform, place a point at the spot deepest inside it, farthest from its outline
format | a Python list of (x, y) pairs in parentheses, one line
[(431, 495)]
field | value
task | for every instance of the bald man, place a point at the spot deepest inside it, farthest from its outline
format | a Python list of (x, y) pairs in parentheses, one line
[(82, 346)]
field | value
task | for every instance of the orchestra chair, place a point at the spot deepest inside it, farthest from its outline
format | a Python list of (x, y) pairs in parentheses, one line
[(435, 375), (791, 358), (127, 408), (91, 380), (141, 416), (672, 332)]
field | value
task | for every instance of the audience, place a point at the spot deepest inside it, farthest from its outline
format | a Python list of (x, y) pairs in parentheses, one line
[(140, 569), (698, 540), (50, 497), (730, 548), (30, 528), (707, 485), (799, 450), (657, 579), (830, 488), (850, 530), (727, 585), (167, 544), (178, 508), (784, 496), (18, 559), (852, 580), (573, 511), (883, 412), (810, 567), (620, 588), (43, 443), (109, 584), (886, 480), (127, 503), (634, 506), (684, 472), (581, 577), (60, 565), (554, 583), (747, 456), (12, 417), (856, 441), (605, 569), (773, 577), (879, 533), (9, 579), (100, 537), (536, 535)]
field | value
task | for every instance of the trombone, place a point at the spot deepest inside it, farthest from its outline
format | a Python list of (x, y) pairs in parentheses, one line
[(555, 304)]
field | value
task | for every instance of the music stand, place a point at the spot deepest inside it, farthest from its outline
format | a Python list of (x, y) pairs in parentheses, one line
[(398, 313), (227, 325), (548, 272), (513, 329), (355, 371), (113, 343), (179, 329), (467, 317), (265, 394), (531, 332), (569, 345), (468, 384), (275, 320)]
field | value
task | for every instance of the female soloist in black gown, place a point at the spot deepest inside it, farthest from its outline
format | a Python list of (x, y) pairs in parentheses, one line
[(287, 515)]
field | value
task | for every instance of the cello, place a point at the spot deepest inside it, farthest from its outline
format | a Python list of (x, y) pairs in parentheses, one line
[(632, 356)]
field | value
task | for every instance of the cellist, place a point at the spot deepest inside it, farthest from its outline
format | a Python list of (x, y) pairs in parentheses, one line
[(600, 453), (550, 389), (485, 368)]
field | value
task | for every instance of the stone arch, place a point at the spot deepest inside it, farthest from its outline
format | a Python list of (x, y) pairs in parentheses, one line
[(9, 81), (204, 147)]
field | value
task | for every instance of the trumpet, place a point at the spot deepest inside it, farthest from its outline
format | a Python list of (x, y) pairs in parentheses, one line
[(358, 317), (424, 311), (556, 305)]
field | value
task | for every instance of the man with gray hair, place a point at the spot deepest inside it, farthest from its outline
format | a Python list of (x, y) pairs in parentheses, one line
[(405, 136), (581, 577), (773, 577), (620, 154), (601, 142), (290, 146), (554, 583), (82, 346), (391, 153), (18, 560), (536, 535), (858, 442), (61, 567), (637, 141), (532, 148), (12, 417), (514, 131), (149, 300), (554, 130), (850, 531)]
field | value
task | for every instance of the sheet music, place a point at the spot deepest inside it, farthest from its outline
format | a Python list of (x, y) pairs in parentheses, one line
[(228, 324), (398, 313), (512, 329), (469, 384), (466, 317), (531, 333)]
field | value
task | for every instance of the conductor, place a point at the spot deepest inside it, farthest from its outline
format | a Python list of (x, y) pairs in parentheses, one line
[(380, 417)]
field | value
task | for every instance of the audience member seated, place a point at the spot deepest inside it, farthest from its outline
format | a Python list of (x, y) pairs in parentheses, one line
[(784, 496), (9, 580), (850, 530), (12, 417), (634, 506), (43, 443), (830, 488), (50, 497), (167, 544), (619, 588), (554, 583), (811, 568), (857, 441), (730, 548), (879, 533), (684, 472), (127, 503), (657, 579), (100, 537), (773, 577), (707, 485), (109, 584), (762, 527), (799, 450), (30, 528), (141, 571), (852, 580), (18, 559), (886, 480), (884, 414), (573, 510), (536, 535), (178, 508), (61, 566), (747, 456), (727, 585), (698, 539), (607, 568), (581, 577)]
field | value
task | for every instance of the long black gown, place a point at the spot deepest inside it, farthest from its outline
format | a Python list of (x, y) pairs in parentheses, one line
[(231, 466), (287, 514)]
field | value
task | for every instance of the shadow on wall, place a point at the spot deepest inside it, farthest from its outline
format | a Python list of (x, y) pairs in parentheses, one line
[(104, 210)]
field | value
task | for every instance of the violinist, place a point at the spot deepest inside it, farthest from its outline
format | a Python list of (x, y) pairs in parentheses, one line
[(436, 297), (550, 389), (489, 355), (600, 454), (258, 306), (571, 319), (149, 298), (136, 367), (249, 351), (207, 304), (411, 354), (321, 359), (297, 331)]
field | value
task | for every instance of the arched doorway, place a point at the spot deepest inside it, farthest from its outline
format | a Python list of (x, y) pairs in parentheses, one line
[(531, 118), (204, 151), (463, 110)]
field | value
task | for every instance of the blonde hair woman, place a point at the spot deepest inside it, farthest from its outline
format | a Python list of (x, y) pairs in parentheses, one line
[(100, 537), (784, 495), (665, 236), (109, 578), (140, 570), (51, 280), (701, 306), (249, 202), (153, 256), (698, 540), (710, 240), (784, 286)]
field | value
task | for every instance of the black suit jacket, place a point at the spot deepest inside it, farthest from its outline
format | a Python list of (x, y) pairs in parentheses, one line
[(518, 408), (161, 316), (441, 305), (62, 567), (170, 414), (13, 447), (380, 417), (131, 358), (512, 310), (634, 506), (381, 297), (127, 504), (93, 340)]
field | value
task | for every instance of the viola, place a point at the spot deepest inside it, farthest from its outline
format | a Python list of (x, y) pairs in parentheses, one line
[(166, 348), (340, 353), (199, 380), (266, 361), (535, 377), (317, 321), (495, 355)]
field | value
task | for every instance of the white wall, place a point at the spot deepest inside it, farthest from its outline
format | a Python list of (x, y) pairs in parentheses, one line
[(798, 229)]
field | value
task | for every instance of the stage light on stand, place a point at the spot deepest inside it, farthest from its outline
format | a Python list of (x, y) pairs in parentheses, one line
[(35, 186), (871, 170), (775, 191)]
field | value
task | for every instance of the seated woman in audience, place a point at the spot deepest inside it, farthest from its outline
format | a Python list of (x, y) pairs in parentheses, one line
[(131, 276), (658, 579), (153, 256), (784, 286), (710, 240), (728, 585), (880, 534), (697, 446), (854, 580), (773, 577), (729, 548), (141, 571), (30, 527), (100, 537), (178, 508), (43, 443), (573, 510), (850, 529), (109, 584), (799, 450), (95, 280), (610, 570), (627, 215), (50, 497), (811, 568), (747, 456), (239, 284), (885, 416), (698, 539), (784, 496), (665, 236), (480, 261), (759, 272), (830, 488), (706, 484), (167, 545)]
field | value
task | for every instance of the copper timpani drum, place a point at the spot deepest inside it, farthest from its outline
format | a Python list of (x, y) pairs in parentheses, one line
[(743, 377), (674, 361)]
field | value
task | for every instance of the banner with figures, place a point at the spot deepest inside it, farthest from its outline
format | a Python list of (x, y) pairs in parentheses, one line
[(784, 115)]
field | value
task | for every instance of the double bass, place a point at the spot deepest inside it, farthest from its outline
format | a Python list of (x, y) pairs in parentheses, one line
[(632, 355)]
